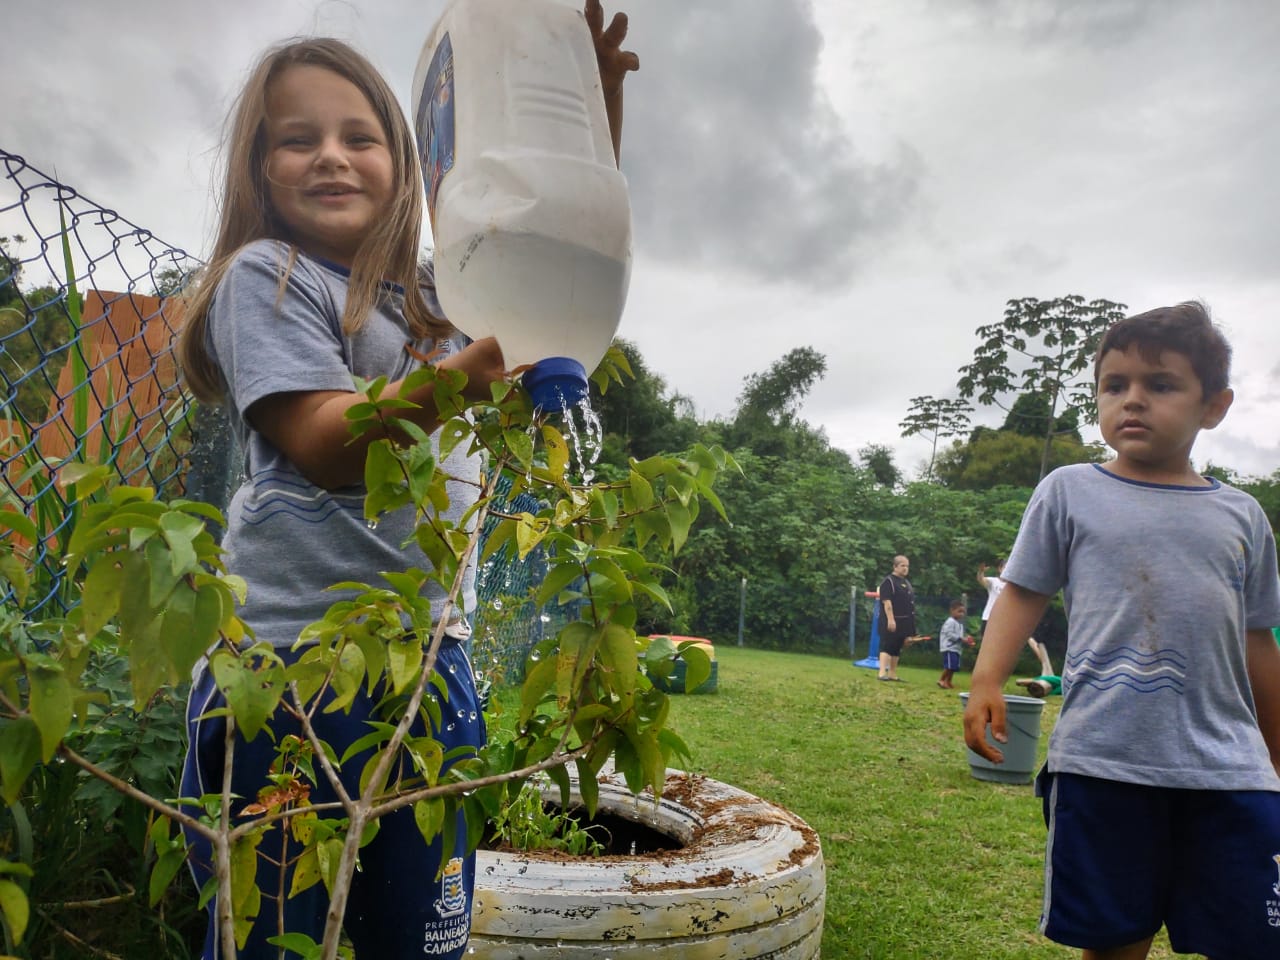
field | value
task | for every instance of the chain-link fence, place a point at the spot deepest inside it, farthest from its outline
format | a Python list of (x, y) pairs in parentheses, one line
[(508, 622), (86, 356), (88, 321)]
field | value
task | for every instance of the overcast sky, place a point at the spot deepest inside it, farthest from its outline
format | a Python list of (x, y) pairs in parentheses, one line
[(872, 179)]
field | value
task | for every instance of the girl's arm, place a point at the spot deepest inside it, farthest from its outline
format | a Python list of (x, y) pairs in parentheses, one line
[(1263, 659), (614, 63), (1016, 613), (311, 429)]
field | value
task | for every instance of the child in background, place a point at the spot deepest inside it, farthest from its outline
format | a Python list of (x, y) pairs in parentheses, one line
[(993, 586), (1162, 786), (950, 639), (314, 279)]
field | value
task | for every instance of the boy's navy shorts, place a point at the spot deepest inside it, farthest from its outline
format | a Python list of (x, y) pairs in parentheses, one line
[(398, 907), (1122, 859), (951, 660)]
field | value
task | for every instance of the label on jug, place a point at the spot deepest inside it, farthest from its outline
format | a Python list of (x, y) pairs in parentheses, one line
[(436, 122)]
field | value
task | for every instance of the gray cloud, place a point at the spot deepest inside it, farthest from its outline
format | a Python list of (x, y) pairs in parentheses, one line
[(736, 159), (874, 180), (1067, 21)]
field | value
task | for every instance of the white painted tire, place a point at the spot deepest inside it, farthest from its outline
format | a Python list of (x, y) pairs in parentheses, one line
[(748, 884)]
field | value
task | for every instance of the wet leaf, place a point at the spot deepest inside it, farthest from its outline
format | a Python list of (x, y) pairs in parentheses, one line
[(253, 683), (16, 909), (19, 753), (51, 706), (557, 452)]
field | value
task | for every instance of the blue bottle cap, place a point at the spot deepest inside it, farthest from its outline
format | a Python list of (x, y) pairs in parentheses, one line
[(556, 383)]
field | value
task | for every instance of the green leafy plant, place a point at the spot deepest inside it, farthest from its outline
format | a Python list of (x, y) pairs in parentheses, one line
[(152, 583), (528, 822), (82, 849)]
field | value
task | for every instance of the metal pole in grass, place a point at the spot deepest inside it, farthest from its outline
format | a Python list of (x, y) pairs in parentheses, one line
[(853, 617), (742, 608)]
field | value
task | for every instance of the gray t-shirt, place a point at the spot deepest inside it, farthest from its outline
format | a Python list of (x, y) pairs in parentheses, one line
[(289, 538), (951, 636), (1160, 584)]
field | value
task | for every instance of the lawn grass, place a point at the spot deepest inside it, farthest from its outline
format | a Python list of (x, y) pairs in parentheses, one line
[(922, 859)]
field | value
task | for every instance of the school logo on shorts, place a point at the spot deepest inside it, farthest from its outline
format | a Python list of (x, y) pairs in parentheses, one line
[(453, 896), (1273, 906)]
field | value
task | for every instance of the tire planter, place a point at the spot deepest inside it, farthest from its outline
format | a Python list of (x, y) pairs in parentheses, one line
[(748, 883)]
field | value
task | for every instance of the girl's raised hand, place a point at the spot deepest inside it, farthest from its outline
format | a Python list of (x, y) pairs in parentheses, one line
[(614, 62)]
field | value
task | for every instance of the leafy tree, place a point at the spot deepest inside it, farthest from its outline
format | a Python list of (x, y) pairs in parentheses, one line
[(1224, 474), (638, 417), (777, 393), (796, 537), (1044, 347), (767, 420), (1266, 490), (1030, 413), (877, 459), (1001, 457), (935, 417), (169, 281), (35, 336)]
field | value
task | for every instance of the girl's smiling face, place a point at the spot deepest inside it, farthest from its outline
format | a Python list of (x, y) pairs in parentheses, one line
[(1151, 412), (329, 169)]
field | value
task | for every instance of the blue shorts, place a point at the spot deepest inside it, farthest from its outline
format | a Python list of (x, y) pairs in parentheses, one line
[(951, 660), (398, 907), (1123, 859)]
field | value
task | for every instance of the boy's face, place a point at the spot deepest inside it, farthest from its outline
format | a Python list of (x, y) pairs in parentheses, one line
[(1150, 414), (957, 613)]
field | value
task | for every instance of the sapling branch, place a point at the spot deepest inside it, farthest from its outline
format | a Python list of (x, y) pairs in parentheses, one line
[(222, 851), (558, 759), (129, 790), (362, 812), (318, 751)]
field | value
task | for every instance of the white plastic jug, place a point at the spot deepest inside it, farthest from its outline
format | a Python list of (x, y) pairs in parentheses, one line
[(529, 211)]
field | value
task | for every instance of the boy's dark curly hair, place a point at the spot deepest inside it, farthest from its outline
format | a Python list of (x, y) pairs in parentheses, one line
[(1186, 328)]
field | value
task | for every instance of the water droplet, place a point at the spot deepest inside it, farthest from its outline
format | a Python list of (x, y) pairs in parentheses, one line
[(545, 618), (451, 727), (453, 668), (497, 603), (372, 524), (472, 716), (535, 655)]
